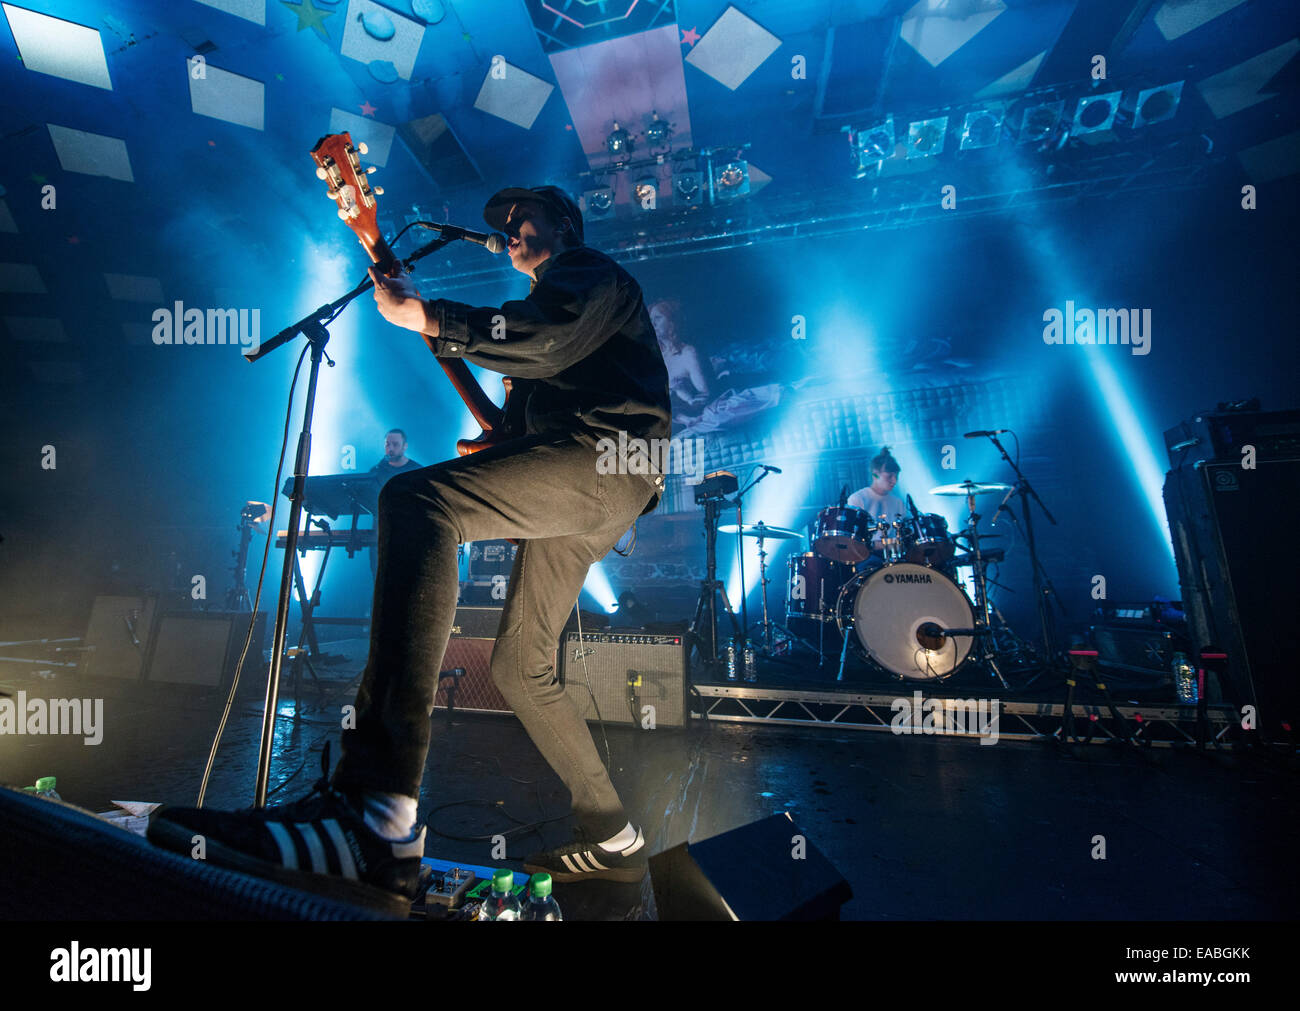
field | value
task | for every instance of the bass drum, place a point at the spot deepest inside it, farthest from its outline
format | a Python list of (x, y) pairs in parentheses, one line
[(896, 612)]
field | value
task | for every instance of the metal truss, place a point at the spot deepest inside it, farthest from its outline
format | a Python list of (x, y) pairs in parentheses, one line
[(904, 202), (1153, 726)]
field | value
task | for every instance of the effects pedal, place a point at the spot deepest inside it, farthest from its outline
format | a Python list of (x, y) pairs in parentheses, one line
[(447, 888)]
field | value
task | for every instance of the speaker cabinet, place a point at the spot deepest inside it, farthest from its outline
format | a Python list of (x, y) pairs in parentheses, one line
[(1236, 566), (473, 637), (628, 671), (201, 649), (768, 870), (117, 636)]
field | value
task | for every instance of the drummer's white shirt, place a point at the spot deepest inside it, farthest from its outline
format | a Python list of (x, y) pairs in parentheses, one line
[(878, 507)]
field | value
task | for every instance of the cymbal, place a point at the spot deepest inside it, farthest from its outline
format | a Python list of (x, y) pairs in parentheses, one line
[(764, 531), (970, 488)]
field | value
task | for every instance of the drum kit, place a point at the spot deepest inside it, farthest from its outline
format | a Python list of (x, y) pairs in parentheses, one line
[(889, 588)]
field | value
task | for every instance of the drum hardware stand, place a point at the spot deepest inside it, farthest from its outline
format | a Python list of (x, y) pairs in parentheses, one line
[(768, 624), (706, 610), (1042, 583), (983, 606), (1084, 661), (846, 628)]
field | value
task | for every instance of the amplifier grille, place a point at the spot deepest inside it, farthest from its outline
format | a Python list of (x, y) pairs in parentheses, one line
[(655, 664)]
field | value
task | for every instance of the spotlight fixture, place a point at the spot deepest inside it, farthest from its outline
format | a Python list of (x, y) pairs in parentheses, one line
[(600, 203), (982, 127), (619, 142), (1155, 105), (1094, 117), (875, 143), (645, 191), (1040, 121), (925, 137), (688, 187), (657, 132), (731, 179)]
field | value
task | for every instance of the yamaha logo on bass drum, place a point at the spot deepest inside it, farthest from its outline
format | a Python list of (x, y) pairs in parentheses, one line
[(908, 577)]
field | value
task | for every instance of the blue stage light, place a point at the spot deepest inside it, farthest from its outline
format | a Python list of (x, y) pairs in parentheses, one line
[(597, 585)]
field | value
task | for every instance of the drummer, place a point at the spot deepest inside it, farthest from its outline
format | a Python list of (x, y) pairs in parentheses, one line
[(879, 499)]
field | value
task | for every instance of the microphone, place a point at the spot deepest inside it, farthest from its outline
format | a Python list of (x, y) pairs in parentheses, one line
[(774, 470), (494, 242), (983, 432), (844, 496), (911, 507)]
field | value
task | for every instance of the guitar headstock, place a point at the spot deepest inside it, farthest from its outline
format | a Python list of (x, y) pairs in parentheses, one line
[(338, 165)]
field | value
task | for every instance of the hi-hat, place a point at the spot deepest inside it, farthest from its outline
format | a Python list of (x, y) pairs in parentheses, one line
[(970, 488), (762, 530)]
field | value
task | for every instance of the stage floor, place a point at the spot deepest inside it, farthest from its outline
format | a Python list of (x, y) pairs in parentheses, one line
[(923, 827)]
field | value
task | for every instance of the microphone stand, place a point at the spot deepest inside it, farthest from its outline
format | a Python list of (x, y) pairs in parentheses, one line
[(1042, 583), (312, 326)]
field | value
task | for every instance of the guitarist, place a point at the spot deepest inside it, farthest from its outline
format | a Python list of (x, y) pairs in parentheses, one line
[(586, 365)]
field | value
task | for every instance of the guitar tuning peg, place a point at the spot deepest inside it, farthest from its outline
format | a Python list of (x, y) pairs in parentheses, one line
[(371, 170), (321, 173), (379, 191), (332, 194), (343, 215), (362, 149)]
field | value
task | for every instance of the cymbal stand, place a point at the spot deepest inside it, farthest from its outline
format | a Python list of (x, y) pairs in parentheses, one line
[(767, 623), (983, 613), (740, 557)]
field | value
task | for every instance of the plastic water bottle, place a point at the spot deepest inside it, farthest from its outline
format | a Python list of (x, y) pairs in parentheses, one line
[(541, 905), (1185, 680), (731, 657), (45, 788), (751, 663), (501, 903)]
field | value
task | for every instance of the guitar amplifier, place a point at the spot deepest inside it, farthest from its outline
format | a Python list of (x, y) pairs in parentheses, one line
[(628, 671), (200, 649), (473, 637), (117, 636)]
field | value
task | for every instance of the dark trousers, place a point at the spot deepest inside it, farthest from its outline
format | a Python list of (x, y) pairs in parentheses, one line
[(545, 492)]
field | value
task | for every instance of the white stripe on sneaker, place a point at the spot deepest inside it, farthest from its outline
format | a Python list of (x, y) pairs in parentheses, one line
[(640, 841), (347, 865), (314, 847), (591, 859), (574, 864), (288, 854)]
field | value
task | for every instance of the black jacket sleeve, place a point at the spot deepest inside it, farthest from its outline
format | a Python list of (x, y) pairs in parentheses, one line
[(575, 307)]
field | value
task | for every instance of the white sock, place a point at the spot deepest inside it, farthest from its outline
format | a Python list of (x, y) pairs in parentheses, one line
[(621, 841), (391, 815)]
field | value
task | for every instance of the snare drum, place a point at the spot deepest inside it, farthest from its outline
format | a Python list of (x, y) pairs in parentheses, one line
[(843, 534)]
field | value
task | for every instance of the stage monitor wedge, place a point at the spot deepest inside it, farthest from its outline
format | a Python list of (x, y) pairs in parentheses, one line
[(767, 870)]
